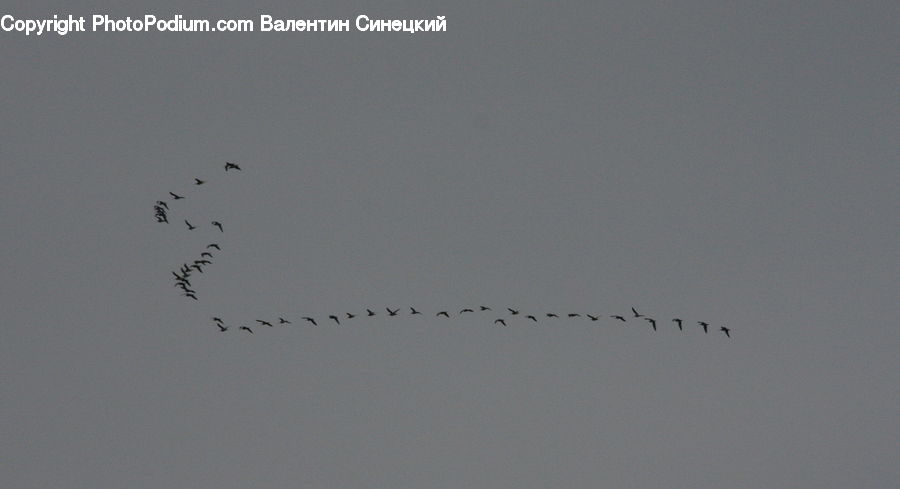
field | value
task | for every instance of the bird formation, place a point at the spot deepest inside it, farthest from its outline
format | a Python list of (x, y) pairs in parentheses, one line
[(183, 273), (512, 316), (505, 320)]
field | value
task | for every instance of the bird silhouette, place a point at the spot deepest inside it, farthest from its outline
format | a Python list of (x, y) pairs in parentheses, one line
[(370, 313), (218, 225), (335, 319), (390, 312), (350, 316), (465, 310), (221, 327), (247, 329), (501, 321), (593, 318), (197, 181), (412, 310), (705, 326), (206, 254), (202, 262), (574, 315), (282, 320), (191, 295), (725, 330), (311, 320), (678, 322), (162, 204), (176, 196), (512, 311), (443, 313), (551, 315), (485, 308), (532, 318), (652, 322), (190, 226), (218, 320), (264, 323), (213, 245), (231, 165), (620, 318), (636, 314)]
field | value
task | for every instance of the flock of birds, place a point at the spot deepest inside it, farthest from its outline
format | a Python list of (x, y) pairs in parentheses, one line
[(186, 269), (502, 321), (183, 274)]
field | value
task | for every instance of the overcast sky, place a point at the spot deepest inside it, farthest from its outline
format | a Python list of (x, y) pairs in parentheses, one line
[(729, 162)]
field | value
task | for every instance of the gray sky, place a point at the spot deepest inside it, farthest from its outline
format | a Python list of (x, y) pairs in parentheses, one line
[(734, 163)]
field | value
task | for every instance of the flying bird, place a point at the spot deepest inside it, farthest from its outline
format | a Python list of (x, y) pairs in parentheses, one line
[(190, 226), (652, 322), (412, 310), (512, 311), (163, 204), (218, 225), (551, 315), (311, 320), (636, 314), (247, 329), (191, 295), (206, 254), (725, 330), (213, 245), (443, 313), (620, 318), (218, 320), (705, 326), (485, 308), (350, 316), (501, 321), (532, 318), (465, 310), (370, 313), (392, 313), (202, 262), (197, 181), (335, 319), (593, 318), (678, 321), (574, 315), (175, 196), (265, 323), (231, 165), (221, 327), (282, 320)]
